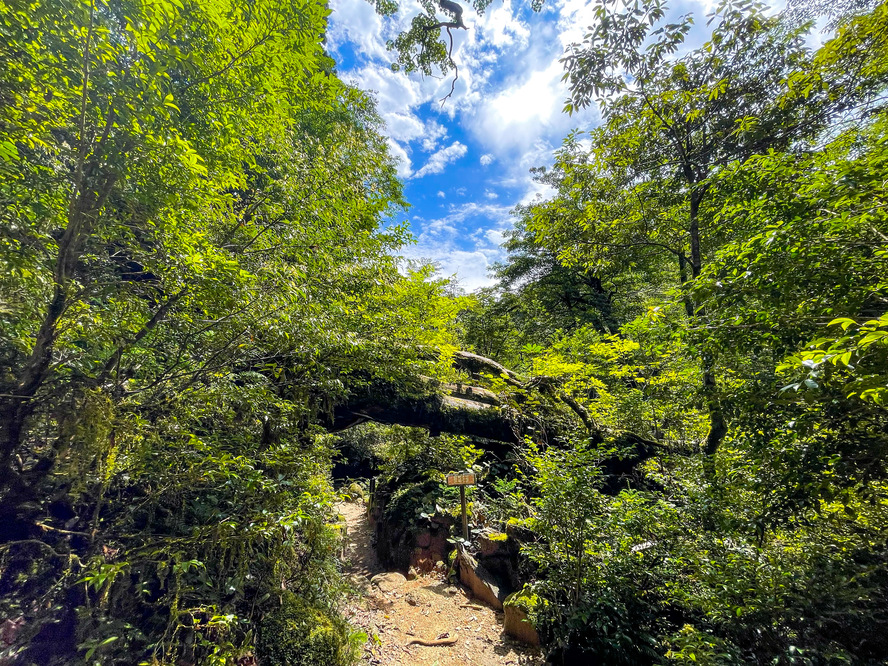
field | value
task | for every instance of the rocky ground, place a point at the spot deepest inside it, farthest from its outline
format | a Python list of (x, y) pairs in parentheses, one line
[(427, 620)]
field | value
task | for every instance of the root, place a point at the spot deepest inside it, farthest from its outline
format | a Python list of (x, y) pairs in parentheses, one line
[(433, 642)]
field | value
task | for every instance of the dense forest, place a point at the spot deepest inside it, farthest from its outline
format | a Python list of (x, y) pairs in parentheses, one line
[(675, 396)]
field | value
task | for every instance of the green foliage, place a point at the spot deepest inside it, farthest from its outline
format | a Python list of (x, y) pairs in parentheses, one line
[(594, 605), (406, 453), (524, 600), (641, 380), (733, 200), (193, 274), (860, 351), (298, 634), (641, 577), (536, 299)]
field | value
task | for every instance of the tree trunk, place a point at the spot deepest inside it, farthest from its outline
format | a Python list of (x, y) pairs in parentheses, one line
[(718, 427), (20, 403)]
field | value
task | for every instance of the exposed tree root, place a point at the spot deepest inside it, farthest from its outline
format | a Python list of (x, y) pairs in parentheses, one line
[(433, 642)]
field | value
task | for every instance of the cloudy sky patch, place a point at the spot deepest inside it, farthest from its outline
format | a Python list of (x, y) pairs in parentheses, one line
[(466, 163)]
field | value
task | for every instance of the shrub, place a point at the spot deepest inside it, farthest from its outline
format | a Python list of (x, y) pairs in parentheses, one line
[(300, 634)]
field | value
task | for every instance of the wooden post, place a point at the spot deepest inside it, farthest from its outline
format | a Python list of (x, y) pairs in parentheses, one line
[(462, 480), (462, 499)]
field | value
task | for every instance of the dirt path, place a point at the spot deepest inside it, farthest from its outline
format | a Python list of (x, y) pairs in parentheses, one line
[(425, 608)]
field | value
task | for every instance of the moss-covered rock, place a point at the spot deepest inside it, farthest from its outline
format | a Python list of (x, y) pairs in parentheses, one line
[(518, 608), (300, 634), (525, 600)]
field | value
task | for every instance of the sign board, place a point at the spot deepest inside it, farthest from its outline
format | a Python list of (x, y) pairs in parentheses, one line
[(460, 479)]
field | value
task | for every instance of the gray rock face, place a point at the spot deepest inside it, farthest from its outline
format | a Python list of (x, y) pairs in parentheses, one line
[(501, 558), (388, 582), (483, 585)]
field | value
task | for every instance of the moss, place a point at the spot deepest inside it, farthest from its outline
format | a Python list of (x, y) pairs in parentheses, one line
[(525, 600), (299, 634)]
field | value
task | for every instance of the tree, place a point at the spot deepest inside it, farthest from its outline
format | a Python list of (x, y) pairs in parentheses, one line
[(645, 185), (111, 117), (192, 274), (781, 560)]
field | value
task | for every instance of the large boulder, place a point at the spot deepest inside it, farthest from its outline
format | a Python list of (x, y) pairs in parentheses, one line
[(500, 554)]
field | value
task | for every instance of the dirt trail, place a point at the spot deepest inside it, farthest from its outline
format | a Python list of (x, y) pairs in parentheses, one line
[(427, 608)]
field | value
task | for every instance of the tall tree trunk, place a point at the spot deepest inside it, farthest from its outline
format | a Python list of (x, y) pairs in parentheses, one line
[(718, 427), (683, 277), (18, 405)]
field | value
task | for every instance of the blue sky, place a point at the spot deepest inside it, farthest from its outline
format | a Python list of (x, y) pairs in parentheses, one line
[(465, 164)]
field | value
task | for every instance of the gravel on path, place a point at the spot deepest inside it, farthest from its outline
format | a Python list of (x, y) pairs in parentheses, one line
[(427, 609)]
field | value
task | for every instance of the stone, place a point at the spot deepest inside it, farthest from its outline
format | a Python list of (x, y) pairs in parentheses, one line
[(360, 583), (420, 597), (504, 569), (483, 585), (517, 625), (491, 543), (9, 630), (412, 573), (431, 546), (519, 531), (388, 582)]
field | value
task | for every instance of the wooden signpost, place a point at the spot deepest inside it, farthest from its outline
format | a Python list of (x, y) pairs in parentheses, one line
[(462, 480)]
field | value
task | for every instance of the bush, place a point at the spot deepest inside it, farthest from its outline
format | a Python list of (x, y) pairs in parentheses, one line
[(300, 634)]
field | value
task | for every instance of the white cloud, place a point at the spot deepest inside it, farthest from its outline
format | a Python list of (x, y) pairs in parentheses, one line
[(405, 169), (404, 126), (508, 97), (439, 160), (433, 134), (357, 23), (398, 97), (490, 194), (501, 27), (508, 89), (480, 228), (470, 269)]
